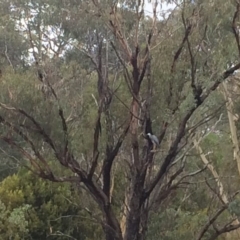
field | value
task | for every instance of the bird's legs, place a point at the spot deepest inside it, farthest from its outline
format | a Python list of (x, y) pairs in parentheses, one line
[(154, 148)]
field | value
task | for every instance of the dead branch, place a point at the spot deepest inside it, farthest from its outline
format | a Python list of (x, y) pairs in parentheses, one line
[(39, 129), (107, 164), (181, 131), (97, 132), (235, 26), (27, 140), (226, 228), (115, 27), (211, 221), (188, 30), (196, 89)]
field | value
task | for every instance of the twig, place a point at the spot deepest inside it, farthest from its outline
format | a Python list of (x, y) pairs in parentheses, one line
[(235, 27)]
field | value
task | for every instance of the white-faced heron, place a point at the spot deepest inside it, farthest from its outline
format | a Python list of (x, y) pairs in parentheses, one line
[(153, 139)]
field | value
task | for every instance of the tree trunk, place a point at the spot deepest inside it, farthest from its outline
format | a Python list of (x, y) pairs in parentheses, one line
[(112, 228), (133, 218), (231, 119)]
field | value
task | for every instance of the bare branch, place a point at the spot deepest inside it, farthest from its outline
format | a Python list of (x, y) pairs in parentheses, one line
[(226, 228), (97, 132), (211, 221), (178, 52), (181, 131), (235, 26), (107, 165), (40, 130), (27, 140), (115, 26)]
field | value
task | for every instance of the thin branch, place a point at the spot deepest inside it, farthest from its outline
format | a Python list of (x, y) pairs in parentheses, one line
[(182, 129), (115, 27), (213, 219), (107, 165), (128, 78), (40, 130), (235, 26), (26, 139), (127, 107), (188, 30), (225, 229), (6, 54), (225, 75), (97, 132)]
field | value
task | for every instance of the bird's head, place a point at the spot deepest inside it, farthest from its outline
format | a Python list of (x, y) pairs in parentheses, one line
[(149, 134)]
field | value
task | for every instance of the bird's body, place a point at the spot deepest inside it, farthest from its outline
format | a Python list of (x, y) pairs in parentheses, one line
[(153, 139)]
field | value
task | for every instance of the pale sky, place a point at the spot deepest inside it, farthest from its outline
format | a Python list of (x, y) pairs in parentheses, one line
[(148, 8), (161, 8)]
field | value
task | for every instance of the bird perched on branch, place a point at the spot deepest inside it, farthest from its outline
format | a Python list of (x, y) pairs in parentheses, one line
[(154, 140)]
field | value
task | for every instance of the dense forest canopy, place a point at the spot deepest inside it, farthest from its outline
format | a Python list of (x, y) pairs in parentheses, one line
[(117, 123)]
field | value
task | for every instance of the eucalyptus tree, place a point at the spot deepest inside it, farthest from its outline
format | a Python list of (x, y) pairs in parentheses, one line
[(13, 47), (150, 75)]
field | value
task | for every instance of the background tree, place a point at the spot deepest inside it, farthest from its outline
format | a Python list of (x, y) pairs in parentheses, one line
[(42, 210), (100, 76)]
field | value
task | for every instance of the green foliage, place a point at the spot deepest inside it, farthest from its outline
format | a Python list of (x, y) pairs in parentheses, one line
[(13, 222), (35, 209), (176, 224), (234, 207), (32, 208)]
